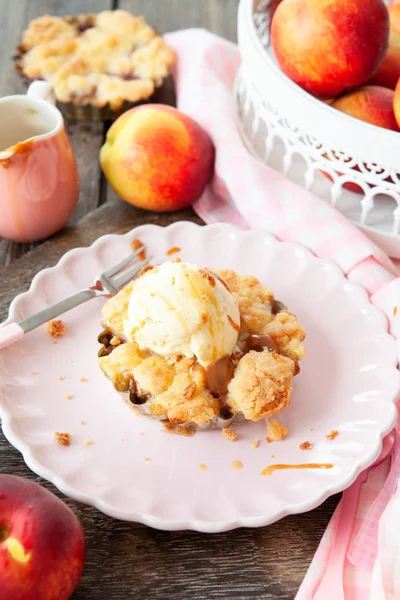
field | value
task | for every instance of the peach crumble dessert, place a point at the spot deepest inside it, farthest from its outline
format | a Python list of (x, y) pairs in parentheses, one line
[(198, 347), (95, 59)]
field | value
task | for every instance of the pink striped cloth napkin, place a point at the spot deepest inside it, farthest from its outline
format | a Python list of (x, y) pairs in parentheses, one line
[(248, 194)]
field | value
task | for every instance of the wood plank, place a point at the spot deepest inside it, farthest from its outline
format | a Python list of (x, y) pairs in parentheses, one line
[(86, 140)]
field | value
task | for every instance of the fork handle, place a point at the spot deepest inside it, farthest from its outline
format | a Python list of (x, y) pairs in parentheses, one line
[(14, 331)]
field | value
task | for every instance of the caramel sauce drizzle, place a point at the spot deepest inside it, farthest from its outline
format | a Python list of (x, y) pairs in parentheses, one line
[(269, 470)]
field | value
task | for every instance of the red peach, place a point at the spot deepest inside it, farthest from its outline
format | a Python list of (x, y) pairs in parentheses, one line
[(328, 46), (372, 104), (42, 544), (157, 158), (389, 71)]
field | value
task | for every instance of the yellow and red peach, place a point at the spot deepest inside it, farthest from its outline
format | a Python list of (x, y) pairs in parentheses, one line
[(328, 47), (157, 158), (394, 16), (42, 545), (389, 71)]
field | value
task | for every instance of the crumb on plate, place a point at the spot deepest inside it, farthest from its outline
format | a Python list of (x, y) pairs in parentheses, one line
[(395, 311), (87, 442), (203, 467), (55, 328), (237, 464), (276, 431), (83, 379), (255, 443), (141, 433), (68, 396), (271, 456), (98, 485), (34, 373), (306, 445), (61, 377), (83, 422), (135, 245), (146, 459), (332, 435), (64, 439), (229, 434), (173, 250)]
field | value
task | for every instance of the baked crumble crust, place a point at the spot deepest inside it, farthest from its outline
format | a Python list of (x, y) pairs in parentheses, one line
[(177, 390), (55, 328), (97, 59)]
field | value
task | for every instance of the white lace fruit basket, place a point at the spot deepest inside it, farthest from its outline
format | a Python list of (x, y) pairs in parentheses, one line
[(312, 143)]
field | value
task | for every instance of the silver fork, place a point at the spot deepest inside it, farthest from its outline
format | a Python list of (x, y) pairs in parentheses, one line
[(107, 283)]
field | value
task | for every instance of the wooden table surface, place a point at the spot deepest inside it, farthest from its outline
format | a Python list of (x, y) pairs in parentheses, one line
[(127, 560)]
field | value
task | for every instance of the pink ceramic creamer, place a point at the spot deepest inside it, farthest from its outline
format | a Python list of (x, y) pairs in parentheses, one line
[(38, 174)]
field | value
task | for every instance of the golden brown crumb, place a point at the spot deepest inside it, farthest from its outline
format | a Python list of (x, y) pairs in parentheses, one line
[(98, 485), (229, 434), (53, 341), (306, 446), (135, 245), (146, 458), (68, 396), (61, 377), (190, 391), (88, 442), (115, 341), (203, 467), (83, 422), (237, 464), (176, 260), (255, 444), (83, 379), (332, 435), (311, 428), (268, 439), (276, 431), (173, 250), (64, 439), (34, 372), (395, 311), (55, 328)]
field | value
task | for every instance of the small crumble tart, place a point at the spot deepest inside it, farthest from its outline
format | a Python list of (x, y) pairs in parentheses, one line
[(55, 328), (199, 348), (64, 439), (306, 446), (99, 60), (332, 435)]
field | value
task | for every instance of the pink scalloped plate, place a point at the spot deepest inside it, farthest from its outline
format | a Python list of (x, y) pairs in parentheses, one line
[(348, 382)]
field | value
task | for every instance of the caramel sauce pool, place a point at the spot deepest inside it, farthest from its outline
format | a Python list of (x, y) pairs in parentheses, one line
[(269, 470)]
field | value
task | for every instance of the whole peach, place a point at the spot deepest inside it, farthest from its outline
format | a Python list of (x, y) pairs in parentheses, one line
[(372, 104), (396, 103), (329, 46), (394, 16), (157, 158), (389, 71), (42, 544)]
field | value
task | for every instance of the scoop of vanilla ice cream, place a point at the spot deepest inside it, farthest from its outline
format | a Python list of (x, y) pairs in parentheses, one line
[(181, 308)]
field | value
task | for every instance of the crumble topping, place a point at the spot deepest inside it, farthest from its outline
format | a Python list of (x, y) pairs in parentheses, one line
[(229, 434), (110, 57), (306, 446), (64, 439), (178, 390), (276, 430), (55, 328), (237, 464)]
